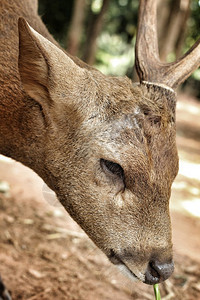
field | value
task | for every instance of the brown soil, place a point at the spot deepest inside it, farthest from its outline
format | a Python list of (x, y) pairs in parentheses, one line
[(45, 255)]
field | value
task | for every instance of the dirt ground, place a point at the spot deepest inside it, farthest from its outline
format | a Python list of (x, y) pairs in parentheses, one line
[(45, 255)]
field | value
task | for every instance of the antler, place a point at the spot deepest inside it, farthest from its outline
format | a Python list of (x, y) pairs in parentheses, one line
[(148, 64)]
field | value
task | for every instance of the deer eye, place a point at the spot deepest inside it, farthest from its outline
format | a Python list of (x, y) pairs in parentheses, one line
[(111, 167)]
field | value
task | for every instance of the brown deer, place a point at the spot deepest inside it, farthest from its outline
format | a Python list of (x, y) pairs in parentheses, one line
[(105, 146)]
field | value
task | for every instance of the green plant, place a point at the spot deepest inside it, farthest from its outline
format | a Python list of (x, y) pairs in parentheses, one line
[(157, 292)]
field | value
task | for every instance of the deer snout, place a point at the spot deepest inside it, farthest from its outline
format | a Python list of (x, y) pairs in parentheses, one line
[(158, 271), (154, 272)]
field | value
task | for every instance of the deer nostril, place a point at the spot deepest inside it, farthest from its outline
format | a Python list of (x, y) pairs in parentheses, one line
[(158, 272)]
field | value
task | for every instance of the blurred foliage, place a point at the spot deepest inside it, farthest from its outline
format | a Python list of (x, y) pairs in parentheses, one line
[(115, 54), (193, 34), (56, 15)]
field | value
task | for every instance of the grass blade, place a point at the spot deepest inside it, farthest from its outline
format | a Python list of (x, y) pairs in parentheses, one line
[(157, 292)]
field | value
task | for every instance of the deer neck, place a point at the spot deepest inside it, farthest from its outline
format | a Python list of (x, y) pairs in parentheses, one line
[(22, 130)]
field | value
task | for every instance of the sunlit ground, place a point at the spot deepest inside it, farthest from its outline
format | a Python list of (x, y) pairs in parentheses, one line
[(186, 188)]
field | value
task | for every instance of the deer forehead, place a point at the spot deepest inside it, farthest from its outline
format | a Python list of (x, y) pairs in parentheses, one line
[(132, 128), (138, 145)]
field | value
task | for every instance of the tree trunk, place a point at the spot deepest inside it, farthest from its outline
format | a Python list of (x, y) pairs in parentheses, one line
[(95, 27), (183, 28), (163, 14), (76, 27), (172, 26)]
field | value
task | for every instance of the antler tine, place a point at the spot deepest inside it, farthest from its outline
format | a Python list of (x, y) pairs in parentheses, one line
[(180, 70), (147, 57), (148, 65)]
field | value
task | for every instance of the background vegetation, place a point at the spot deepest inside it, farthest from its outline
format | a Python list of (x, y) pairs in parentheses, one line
[(102, 32)]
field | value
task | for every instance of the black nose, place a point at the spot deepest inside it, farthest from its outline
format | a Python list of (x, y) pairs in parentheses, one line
[(158, 271)]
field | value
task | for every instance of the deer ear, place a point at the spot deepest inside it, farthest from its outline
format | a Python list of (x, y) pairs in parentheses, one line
[(42, 65)]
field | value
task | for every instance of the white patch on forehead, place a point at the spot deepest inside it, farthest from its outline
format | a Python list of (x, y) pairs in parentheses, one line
[(126, 127), (136, 124), (126, 122), (137, 110), (110, 147)]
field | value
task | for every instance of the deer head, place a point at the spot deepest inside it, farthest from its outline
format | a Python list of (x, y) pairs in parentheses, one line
[(108, 146)]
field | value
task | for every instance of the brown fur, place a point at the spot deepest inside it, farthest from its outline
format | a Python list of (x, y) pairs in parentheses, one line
[(62, 117)]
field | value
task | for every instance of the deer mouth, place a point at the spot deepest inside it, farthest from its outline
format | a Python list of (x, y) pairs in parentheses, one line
[(125, 270)]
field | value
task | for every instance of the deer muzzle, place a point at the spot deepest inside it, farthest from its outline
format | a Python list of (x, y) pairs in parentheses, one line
[(156, 270)]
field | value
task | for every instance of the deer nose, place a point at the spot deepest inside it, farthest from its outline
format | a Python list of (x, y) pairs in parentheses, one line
[(157, 272)]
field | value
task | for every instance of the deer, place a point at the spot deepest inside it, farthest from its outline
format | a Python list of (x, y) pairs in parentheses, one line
[(105, 145)]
